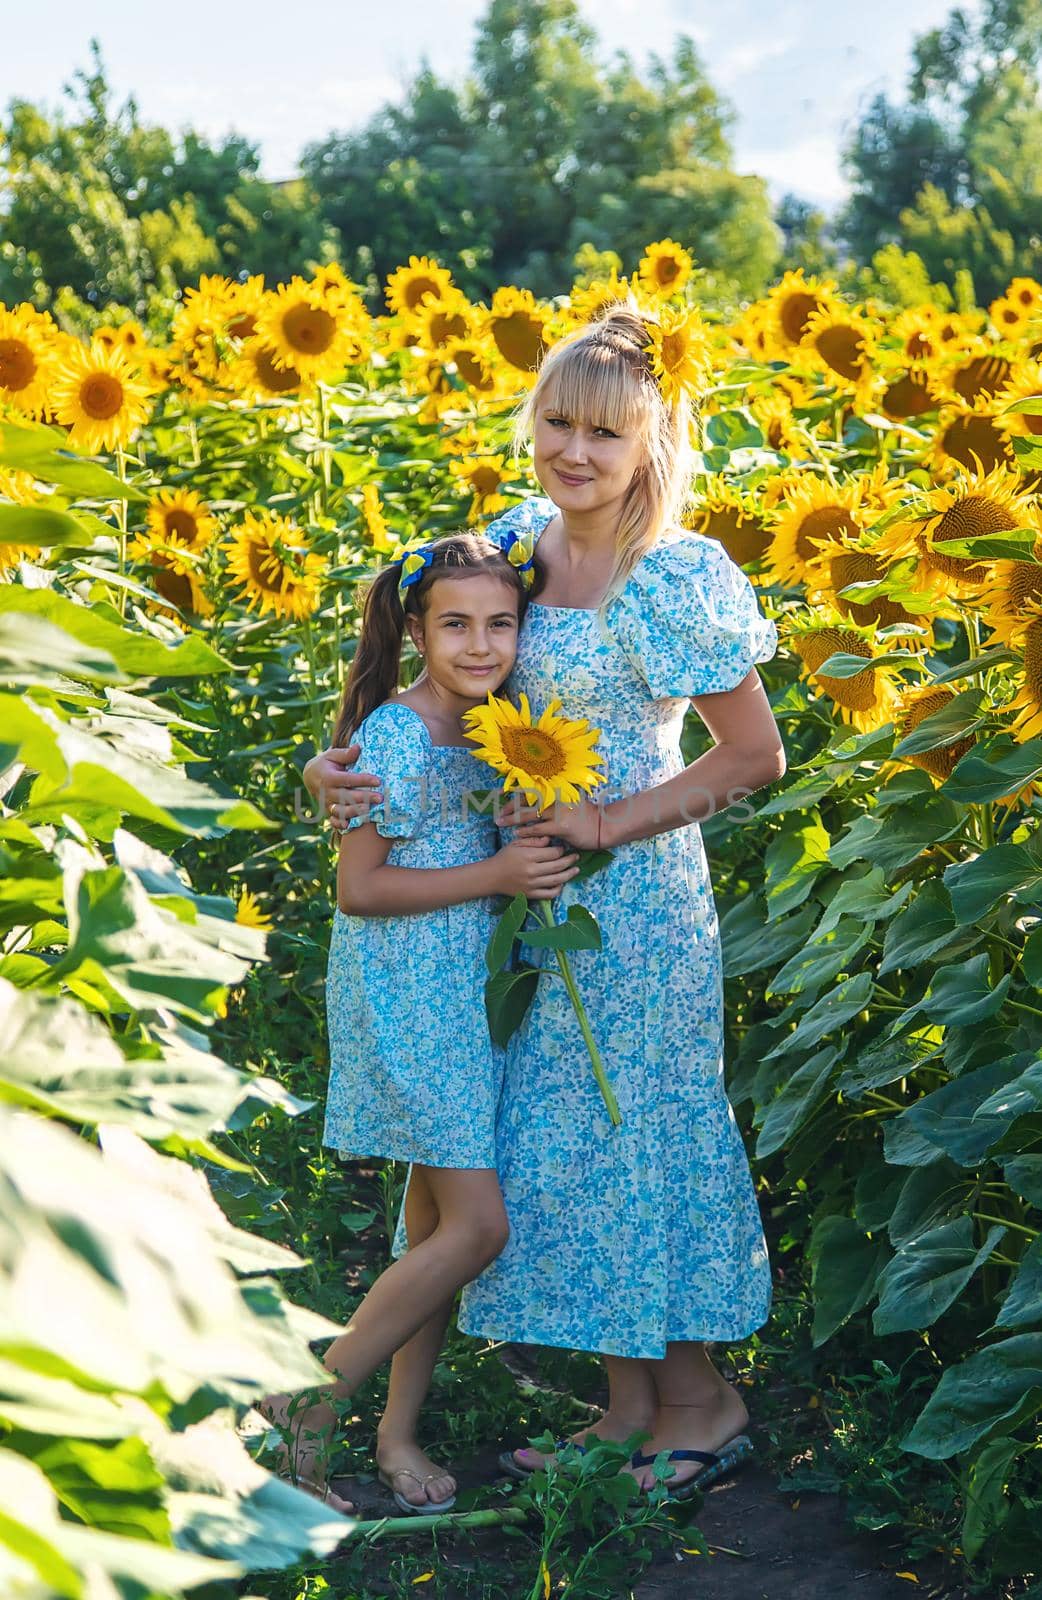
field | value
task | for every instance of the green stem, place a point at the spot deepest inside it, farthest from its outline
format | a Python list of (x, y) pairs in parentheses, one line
[(314, 709), (1004, 1222), (121, 517), (468, 1519), (564, 966)]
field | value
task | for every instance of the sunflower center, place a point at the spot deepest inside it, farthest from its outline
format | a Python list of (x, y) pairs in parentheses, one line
[(858, 693), (918, 345), (796, 312), (17, 365), (101, 396), (907, 397), (826, 525), (277, 380), (1023, 584), (982, 375), (174, 587), (181, 524), (417, 289), (970, 440), (744, 538), (971, 516), (472, 370), (519, 339), (267, 571), (446, 325), (842, 349), (309, 329), (666, 269), (484, 480), (941, 761), (533, 751), (674, 350), (1033, 661), (859, 566), (243, 326)]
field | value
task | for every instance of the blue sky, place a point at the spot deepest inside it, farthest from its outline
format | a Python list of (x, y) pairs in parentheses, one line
[(796, 71)]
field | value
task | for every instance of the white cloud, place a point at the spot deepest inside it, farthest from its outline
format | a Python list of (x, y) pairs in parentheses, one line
[(741, 59), (807, 167)]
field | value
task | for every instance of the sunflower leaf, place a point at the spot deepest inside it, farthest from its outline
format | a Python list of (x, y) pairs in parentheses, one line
[(842, 665), (506, 930), (1012, 544), (507, 997)]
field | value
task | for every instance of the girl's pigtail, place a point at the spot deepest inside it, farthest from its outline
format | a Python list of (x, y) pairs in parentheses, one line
[(374, 671)]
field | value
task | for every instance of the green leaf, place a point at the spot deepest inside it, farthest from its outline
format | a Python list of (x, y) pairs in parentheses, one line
[(1021, 1098), (750, 943), (949, 1118), (842, 665), (924, 928), (986, 1504), (1031, 958), (795, 859), (508, 996), (1028, 453), (41, 453), (975, 886), (881, 1063), (37, 652), (136, 653), (799, 796), (929, 1195), (928, 1273), (501, 943), (845, 1265), (579, 931), (1023, 1303), (1016, 544), (591, 861), (957, 718), (992, 1390), (798, 1099), (832, 1011), (960, 994), (41, 526), (989, 771), (820, 961), (1024, 1176), (1028, 405), (733, 430), (866, 898), (893, 839)]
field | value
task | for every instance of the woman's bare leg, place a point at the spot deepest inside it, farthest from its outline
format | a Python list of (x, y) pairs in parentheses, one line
[(632, 1406), (471, 1230), (416, 1477), (697, 1408)]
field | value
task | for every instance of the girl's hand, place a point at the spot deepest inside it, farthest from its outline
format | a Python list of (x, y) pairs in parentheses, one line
[(580, 825), (339, 792), (533, 867)]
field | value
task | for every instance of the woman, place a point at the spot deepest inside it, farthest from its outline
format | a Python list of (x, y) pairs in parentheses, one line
[(645, 1243)]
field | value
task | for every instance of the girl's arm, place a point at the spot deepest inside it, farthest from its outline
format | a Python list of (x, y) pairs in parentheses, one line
[(368, 887), (747, 753)]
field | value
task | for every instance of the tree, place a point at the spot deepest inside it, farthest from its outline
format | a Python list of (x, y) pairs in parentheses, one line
[(953, 172)]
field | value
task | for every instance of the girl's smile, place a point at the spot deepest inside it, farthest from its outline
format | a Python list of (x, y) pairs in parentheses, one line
[(468, 639)]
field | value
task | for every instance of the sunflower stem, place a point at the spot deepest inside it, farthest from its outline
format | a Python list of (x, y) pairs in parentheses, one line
[(314, 709), (564, 966), (121, 518)]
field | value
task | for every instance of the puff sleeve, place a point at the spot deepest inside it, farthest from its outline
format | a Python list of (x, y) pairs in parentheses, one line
[(690, 621), (528, 516), (396, 749)]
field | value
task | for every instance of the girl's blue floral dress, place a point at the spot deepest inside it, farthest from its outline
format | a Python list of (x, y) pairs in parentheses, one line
[(413, 1073), (622, 1241)]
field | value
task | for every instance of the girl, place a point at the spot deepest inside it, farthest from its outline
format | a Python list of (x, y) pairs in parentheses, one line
[(413, 1073), (643, 1244)]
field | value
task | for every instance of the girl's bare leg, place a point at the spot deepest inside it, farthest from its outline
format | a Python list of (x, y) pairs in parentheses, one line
[(632, 1406), (472, 1229), (416, 1477), (697, 1408)]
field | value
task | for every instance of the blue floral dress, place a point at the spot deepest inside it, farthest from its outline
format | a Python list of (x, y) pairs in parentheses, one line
[(413, 1073), (624, 1240)]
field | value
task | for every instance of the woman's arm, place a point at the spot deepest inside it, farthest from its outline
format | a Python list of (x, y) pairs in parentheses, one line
[(339, 792), (367, 887), (747, 753)]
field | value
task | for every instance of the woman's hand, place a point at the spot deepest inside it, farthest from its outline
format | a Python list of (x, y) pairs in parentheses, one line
[(580, 825), (533, 867), (338, 792)]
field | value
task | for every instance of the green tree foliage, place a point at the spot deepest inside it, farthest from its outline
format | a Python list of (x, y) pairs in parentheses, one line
[(953, 172), (542, 150)]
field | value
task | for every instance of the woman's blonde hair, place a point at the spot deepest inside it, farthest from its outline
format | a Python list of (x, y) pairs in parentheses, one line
[(602, 374)]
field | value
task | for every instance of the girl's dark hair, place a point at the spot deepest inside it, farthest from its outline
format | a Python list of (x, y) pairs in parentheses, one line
[(374, 671)]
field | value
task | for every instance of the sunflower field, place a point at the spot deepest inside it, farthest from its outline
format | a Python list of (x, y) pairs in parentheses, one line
[(186, 524)]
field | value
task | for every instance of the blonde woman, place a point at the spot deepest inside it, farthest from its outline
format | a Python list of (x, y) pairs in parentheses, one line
[(643, 1243)]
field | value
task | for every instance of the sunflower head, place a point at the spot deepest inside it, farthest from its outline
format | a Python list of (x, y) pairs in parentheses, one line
[(867, 699), (99, 397), (970, 506), (474, 362), (375, 523), (307, 332), (248, 913), (483, 477), (175, 572), (1025, 383), (519, 326), (589, 301), (268, 555), (679, 352), (26, 356), (816, 520), (552, 758), (725, 514), (260, 374), (914, 706), (970, 438), (410, 286), (664, 269), (183, 515), (841, 340), (791, 304), (1027, 705)]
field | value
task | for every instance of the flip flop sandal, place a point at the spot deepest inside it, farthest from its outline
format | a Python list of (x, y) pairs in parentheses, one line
[(424, 1508), (516, 1469), (715, 1465)]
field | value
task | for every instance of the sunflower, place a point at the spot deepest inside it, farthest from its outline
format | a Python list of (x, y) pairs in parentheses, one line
[(482, 477), (588, 302), (1025, 383), (972, 505), (970, 438), (519, 326), (778, 423), (552, 759), (473, 362), (269, 557), (724, 514), (307, 333), (842, 340), (26, 356), (679, 352), (791, 304), (99, 397), (410, 286), (181, 514), (441, 321), (909, 393), (862, 565), (333, 284), (817, 519), (243, 303), (375, 523), (866, 700), (1010, 317), (664, 268), (1028, 701), (248, 913), (1012, 595), (175, 573), (917, 329), (916, 704), (256, 374), (1026, 292), (976, 370)]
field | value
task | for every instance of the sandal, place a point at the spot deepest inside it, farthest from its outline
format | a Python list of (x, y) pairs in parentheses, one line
[(715, 1465), (517, 1469), (429, 1508)]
